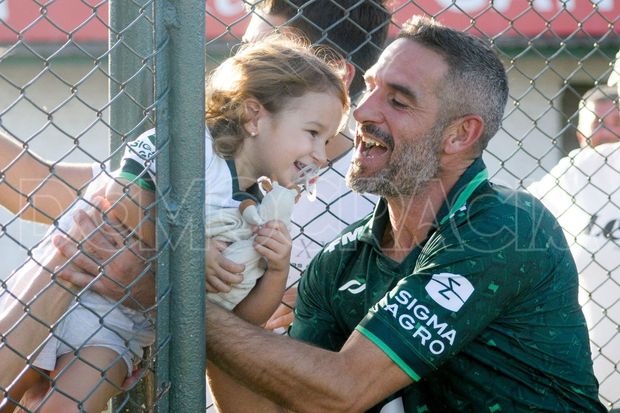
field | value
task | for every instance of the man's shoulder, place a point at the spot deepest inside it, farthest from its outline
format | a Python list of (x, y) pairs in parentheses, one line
[(503, 202), (498, 212)]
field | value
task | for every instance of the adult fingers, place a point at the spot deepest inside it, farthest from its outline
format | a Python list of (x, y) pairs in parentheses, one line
[(277, 232), (98, 240), (83, 280), (70, 251), (272, 227), (276, 225), (281, 321), (267, 252), (277, 237)]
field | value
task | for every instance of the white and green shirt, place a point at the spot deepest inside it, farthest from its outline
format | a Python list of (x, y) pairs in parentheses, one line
[(221, 181)]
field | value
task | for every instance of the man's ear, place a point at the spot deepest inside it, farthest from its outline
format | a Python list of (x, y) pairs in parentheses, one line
[(349, 74), (463, 134), (253, 112)]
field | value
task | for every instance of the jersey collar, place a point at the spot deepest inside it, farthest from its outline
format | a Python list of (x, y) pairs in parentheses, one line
[(253, 192), (474, 176), (374, 229), (456, 202)]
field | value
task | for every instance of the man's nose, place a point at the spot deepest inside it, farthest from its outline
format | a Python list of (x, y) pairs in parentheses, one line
[(369, 108)]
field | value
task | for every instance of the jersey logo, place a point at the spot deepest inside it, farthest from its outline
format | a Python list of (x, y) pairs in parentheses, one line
[(353, 286), (449, 290)]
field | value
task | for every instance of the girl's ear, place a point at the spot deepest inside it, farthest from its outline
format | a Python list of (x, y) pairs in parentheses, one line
[(253, 113), (349, 74)]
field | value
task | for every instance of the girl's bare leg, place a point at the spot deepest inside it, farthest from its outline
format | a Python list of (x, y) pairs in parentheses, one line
[(85, 383), (28, 391)]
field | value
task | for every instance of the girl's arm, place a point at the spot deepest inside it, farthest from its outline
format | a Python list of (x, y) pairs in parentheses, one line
[(273, 242)]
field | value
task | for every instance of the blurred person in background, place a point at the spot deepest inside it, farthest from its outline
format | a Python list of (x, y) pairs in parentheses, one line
[(583, 192)]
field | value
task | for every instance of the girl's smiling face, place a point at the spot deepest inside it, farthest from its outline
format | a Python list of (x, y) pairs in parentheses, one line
[(287, 142)]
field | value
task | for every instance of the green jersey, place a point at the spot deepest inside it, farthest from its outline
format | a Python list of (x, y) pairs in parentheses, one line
[(483, 316)]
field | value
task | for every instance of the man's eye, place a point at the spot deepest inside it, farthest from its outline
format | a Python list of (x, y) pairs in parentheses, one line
[(398, 104)]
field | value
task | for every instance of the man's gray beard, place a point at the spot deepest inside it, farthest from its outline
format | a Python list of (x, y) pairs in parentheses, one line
[(409, 172)]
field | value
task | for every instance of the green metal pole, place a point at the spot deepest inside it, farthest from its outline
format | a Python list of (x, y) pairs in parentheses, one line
[(130, 93), (185, 20), (130, 42), (163, 20)]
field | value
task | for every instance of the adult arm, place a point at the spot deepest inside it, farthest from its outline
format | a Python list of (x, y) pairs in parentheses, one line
[(296, 375), (35, 188), (32, 305), (288, 372), (231, 396)]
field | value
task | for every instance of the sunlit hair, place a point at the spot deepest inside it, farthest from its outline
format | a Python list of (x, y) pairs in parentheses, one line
[(476, 82), (272, 71)]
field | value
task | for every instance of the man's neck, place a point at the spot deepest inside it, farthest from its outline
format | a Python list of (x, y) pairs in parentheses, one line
[(410, 221), (413, 217)]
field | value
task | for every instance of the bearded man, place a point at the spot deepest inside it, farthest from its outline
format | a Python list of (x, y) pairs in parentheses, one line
[(454, 295)]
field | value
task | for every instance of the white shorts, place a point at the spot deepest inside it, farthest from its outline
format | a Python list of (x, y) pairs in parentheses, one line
[(96, 322)]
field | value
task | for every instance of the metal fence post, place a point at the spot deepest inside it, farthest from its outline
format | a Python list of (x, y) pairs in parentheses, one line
[(130, 82), (180, 131), (130, 93)]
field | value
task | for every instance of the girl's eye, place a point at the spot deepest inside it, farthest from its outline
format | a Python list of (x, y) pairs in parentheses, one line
[(313, 133)]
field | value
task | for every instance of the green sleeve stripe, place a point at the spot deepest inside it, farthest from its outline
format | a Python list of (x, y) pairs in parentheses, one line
[(137, 169), (395, 358), (141, 182), (133, 166)]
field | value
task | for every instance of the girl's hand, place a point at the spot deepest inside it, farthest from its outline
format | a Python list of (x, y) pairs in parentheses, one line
[(220, 272), (273, 242)]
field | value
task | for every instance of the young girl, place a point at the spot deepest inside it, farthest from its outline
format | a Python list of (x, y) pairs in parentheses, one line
[(269, 112)]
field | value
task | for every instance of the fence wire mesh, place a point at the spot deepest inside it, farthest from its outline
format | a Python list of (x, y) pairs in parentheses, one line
[(78, 83)]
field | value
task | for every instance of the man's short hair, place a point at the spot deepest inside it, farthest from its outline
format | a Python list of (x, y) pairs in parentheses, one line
[(476, 82), (356, 29)]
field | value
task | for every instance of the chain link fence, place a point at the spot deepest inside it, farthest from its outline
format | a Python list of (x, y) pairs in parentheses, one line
[(80, 79)]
